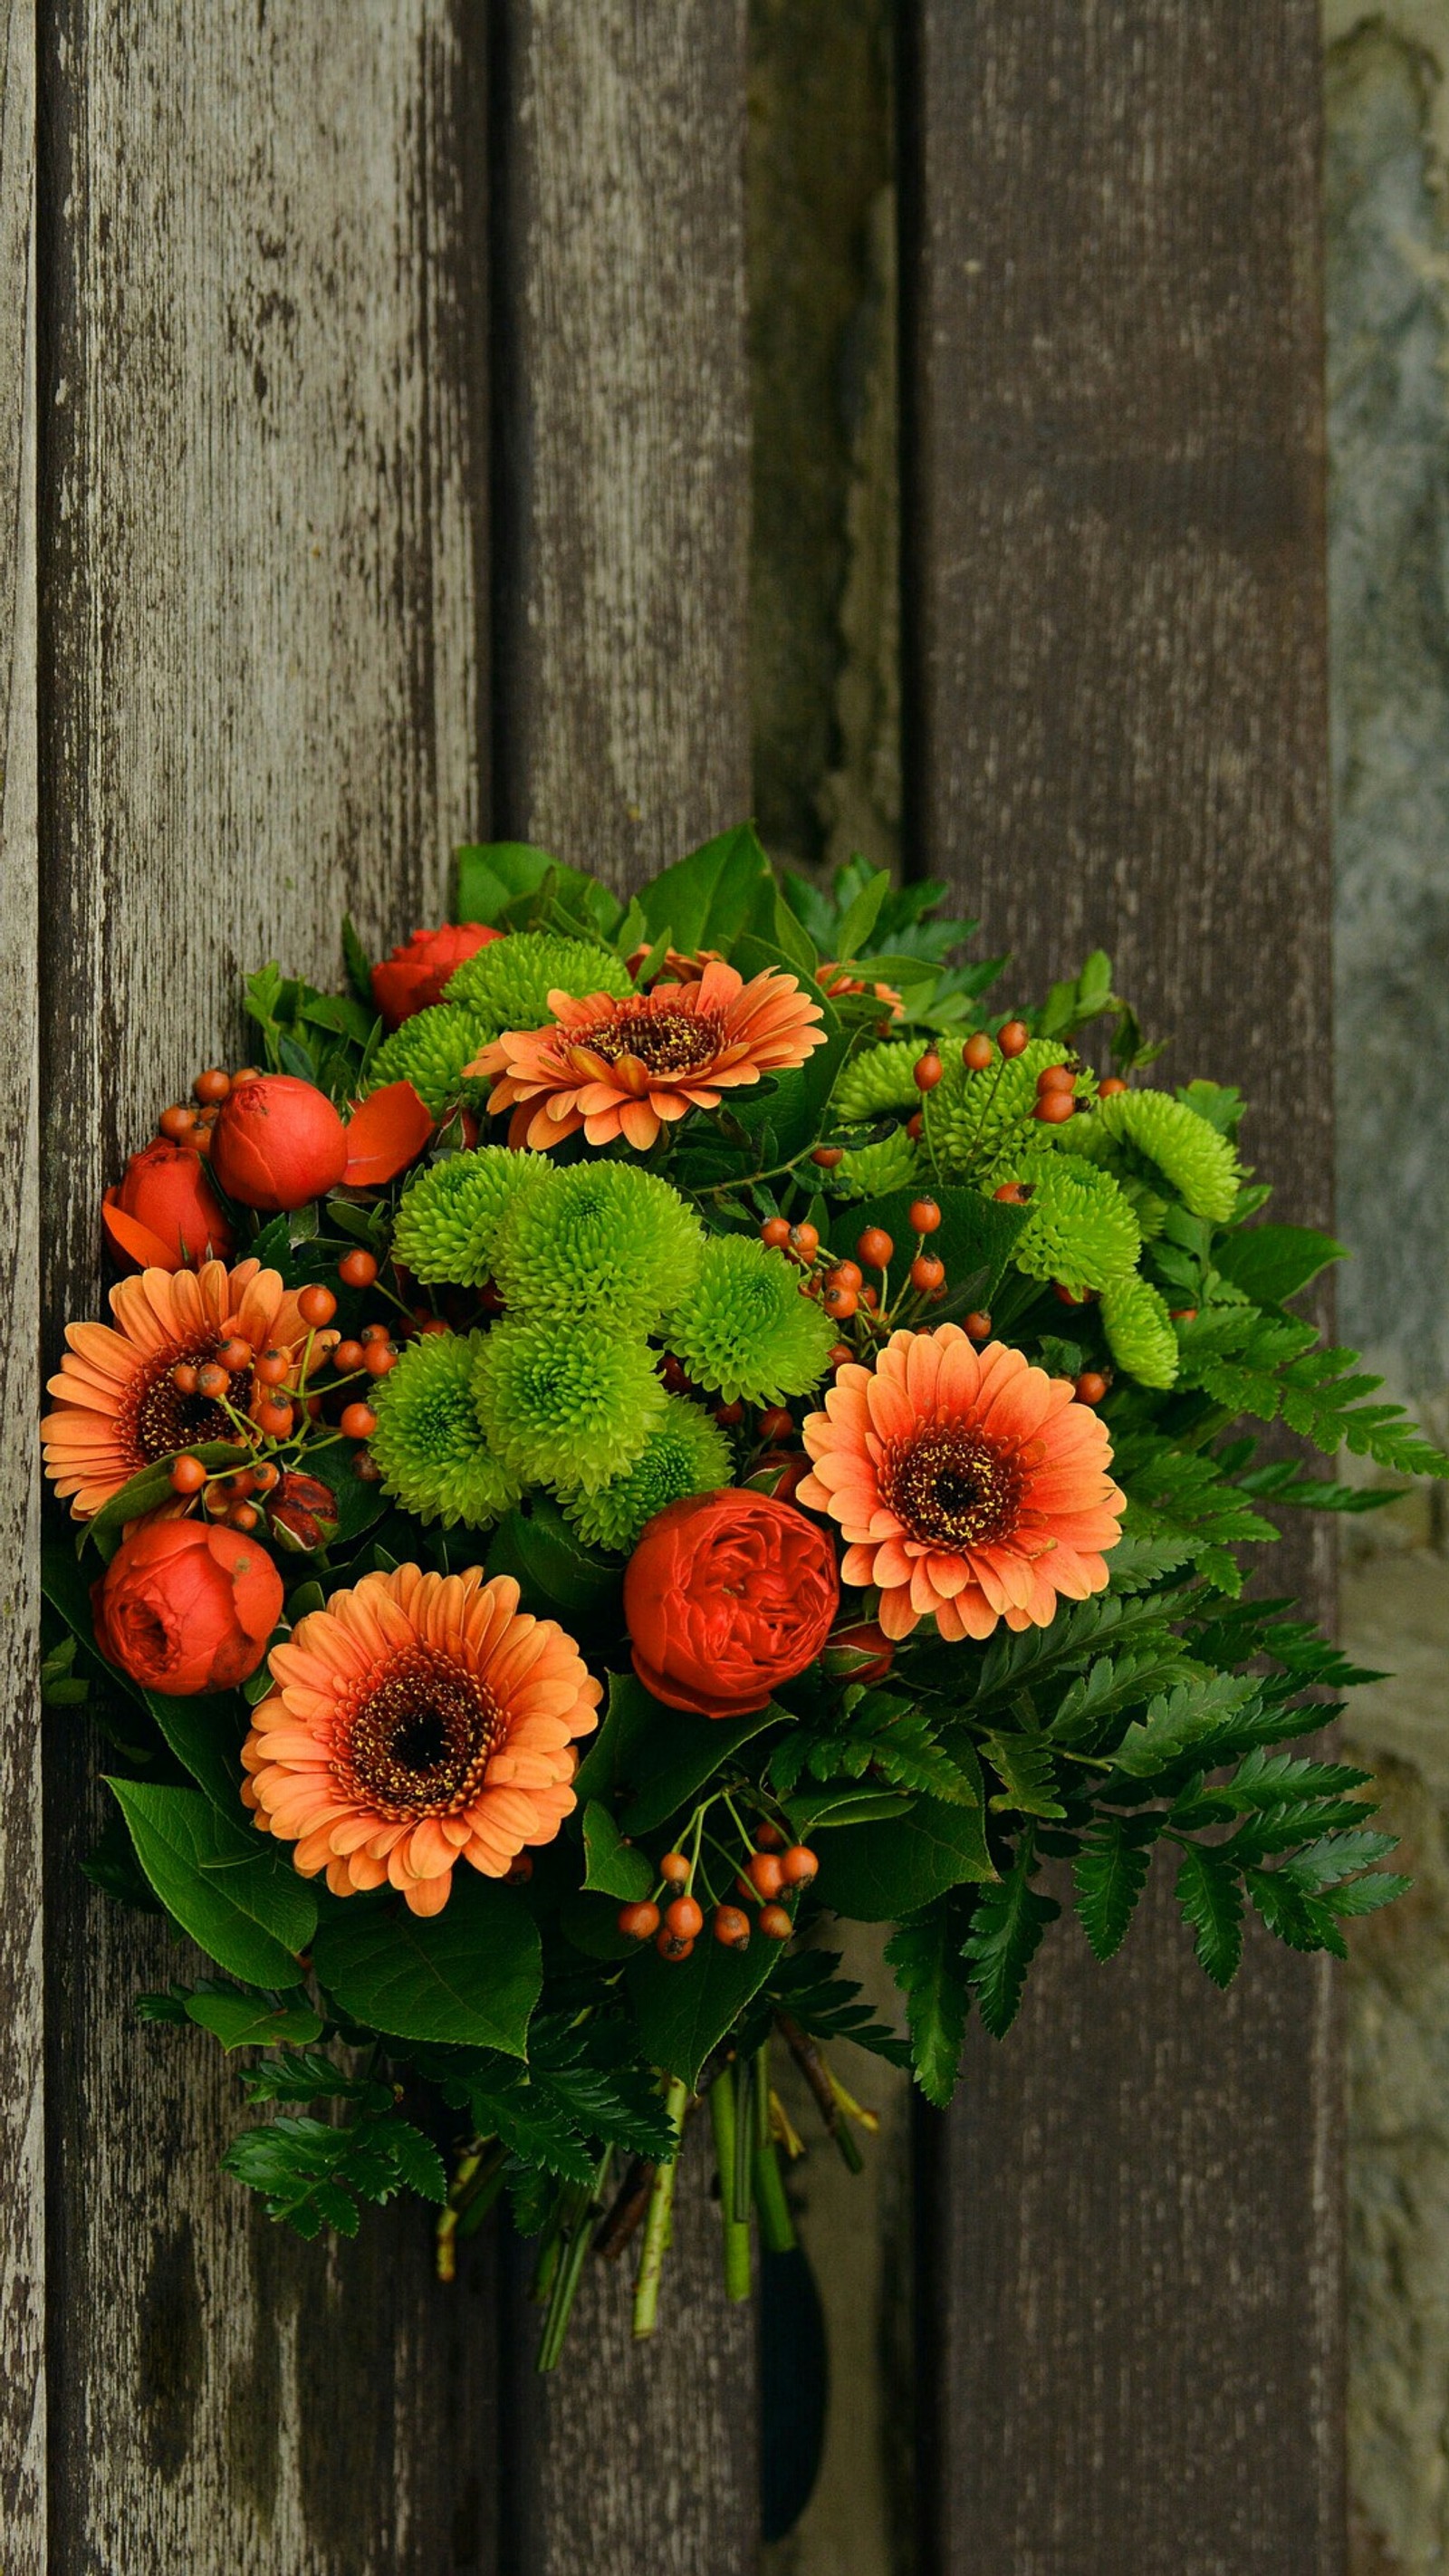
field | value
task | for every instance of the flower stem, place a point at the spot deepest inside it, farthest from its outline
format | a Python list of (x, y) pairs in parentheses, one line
[(777, 2228), (568, 2272), (656, 2224), (722, 2112), (744, 2141)]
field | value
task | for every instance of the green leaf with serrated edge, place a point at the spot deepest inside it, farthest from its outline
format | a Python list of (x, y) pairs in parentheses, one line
[(250, 2021), (1302, 1922), (1006, 1931), (557, 1575), (206, 1735), (708, 897), (1110, 1873), (150, 1487), (1271, 1262), (1179, 1719), (239, 1900), (880, 1873), (1138, 1560), (1366, 1895), (683, 2007), (926, 1956), (471, 1975), (1024, 1765), (613, 1868), (1210, 1895)]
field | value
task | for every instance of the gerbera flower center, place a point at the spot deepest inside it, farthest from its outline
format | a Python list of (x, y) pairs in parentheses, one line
[(165, 1420), (421, 1739), (664, 1041), (950, 1488)]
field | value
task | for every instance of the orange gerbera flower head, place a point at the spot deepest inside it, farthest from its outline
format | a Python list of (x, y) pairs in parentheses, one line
[(419, 1720), (118, 1408), (838, 980), (972, 1487), (621, 1068)]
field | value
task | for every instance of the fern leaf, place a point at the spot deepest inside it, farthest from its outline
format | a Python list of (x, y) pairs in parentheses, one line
[(1210, 1895)]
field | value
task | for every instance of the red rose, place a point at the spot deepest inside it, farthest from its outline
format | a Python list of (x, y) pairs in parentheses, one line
[(186, 1607), (727, 1596), (278, 1142), (165, 1215), (413, 977)]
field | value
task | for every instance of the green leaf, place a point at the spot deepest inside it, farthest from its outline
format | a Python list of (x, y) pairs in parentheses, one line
[(1272, 1262), (684, 2007), (861, 917), (1366, 1895), (707, 898), (1210, 1895), (1180, 1720), (240, 1901), (557, 1575), (497, 878), (659, 1758), (250, 2021), (880, 1873), (1110, 1872), (614, 1867), (357, 961), (1303, 1922), (470, 1975), (206, 1735), (926, 1957), (1024, 1764), (1006, 1931), (152, 1486)]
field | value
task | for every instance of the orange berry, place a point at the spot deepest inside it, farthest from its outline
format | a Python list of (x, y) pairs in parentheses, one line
[(870, 1297), (365, 1467), (1012, 1193), (1054, 1108), (840, 1302), (978, 1052), (840, 1352), (242, 1484), (274, 1417), (183, 1377), (775, 1923), (1014, 1038), (243, 1516), (913, 1126), (273, 1367), (775, 1232), (844, 1274), (212, 1086), (1068, 1296), (317, 1305), (347, 1357), (1184, 1314), (265, 1477), (357, 1269), (378, 1358), (674, 1869), (731, 1927), (216, 1502), (768, 1836), (765, 1874), (685, 1918), (358, 1422), (187, 1476), (176, 1123), (672, 1945), (978, 1326), (1056, 1077), (927, 1070), (805, 1240), (925, 1216), (434, 1324), (875, 1247), (800, 1864), (235, 1355), (212, 1380), (1091, 1386), (827, 1156), (926, 1271), (777, 1424), (727, 1415), (639, 1922), (377, 1332), (1109, 1089)]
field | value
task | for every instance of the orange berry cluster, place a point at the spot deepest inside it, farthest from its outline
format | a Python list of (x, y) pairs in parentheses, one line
[(187, 1124), (771, 1870)]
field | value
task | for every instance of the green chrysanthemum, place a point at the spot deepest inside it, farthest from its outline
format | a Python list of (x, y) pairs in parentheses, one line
[(428, 1442), (1139, 1331), (1191, 1155), (747, 1331), (1148, 1205), (870, 1171), (448, 1222), (1082, 1230), (430, 1051), (600, 1241), (685, 1454), (881, 1077), (507, 984), (971, 1120), (564, 1404)]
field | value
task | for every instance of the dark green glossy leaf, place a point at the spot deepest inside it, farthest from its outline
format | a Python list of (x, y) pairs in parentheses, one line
[(1271, 1262), (150, 1487), (881, 1872), (614, 1867), (471, 1975), (250, 2021), (206, 1735), (684, 2006), (705, 900), (241, 1902)]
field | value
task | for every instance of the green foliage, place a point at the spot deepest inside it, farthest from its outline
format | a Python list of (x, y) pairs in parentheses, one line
[(470, 1975), (745, 1330), (312, 2175), (926, 1953), (1110, 1872), (1006, 1931), (429, 1444), (1271, 1366), (1139, 1334), (239, 1899)]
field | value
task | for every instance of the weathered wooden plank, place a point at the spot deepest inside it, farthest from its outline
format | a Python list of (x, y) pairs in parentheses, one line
[(621, 512), (262, 591), (1116, 689), (22, 2141)]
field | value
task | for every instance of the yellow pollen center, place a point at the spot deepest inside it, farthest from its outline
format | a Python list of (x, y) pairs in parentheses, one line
[(663, 1041), (952, 1490)]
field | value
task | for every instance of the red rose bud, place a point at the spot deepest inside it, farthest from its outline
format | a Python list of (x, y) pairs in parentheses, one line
[(165, 1215), (726, 1597), (304, 1512), (186, 1606), (860, 1653), (384, 1135), (277, 1143), (414, 976)]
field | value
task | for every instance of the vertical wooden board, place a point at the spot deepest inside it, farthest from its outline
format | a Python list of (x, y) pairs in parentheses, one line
[(22, 2194), (1115, 692), (622, 740), (262, 594)]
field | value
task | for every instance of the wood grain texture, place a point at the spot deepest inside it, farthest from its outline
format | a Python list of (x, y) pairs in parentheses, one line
[(22, 2138), (621, 513), (262, 595), (1115, 695)]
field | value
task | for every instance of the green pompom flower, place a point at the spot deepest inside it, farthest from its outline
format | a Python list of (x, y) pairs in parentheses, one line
[(686, 1454), (1139, 1331), (1082, 1229), (430, 1051), (507, 984), (564, 1404), (973, 1121), (747, 1331), (599, 1241), (880, 1078), (1192, 1157), (428, 1442), (872, 1171), (448, 1221)]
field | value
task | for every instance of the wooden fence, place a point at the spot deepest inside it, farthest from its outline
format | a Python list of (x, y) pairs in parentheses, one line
[(373, 473)]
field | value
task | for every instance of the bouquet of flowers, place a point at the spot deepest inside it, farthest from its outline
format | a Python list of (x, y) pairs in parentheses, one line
[(639, 1429)]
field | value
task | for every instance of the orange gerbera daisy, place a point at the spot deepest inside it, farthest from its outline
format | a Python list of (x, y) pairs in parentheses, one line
[(118, 1409), (621, 1068), (419, 1720), (971, 1486)]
